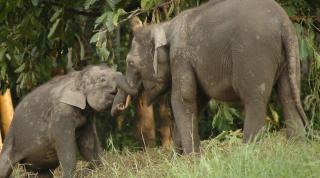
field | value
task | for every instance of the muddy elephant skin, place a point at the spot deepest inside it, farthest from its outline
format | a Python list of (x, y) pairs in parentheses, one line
[(228, 50), (51, 122)]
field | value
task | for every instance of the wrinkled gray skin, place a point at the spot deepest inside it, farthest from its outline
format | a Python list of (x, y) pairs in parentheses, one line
[(228, 50), (51, 122)]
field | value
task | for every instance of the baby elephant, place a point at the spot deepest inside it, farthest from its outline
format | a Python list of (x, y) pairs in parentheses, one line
[(52, 121)]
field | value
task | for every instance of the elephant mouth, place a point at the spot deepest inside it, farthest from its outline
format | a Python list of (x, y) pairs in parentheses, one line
[(113, 93)]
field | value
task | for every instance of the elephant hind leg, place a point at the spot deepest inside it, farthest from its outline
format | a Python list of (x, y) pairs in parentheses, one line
[(7, 159), (6, 166), (255, 114), (293, 122)]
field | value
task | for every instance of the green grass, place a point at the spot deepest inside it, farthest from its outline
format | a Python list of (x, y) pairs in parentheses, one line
[(271, 157)]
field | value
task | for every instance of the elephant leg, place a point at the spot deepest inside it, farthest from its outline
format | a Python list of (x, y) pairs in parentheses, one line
[(184, 106), (255, 114), (177, 139), (7, 158), (66, 146), (165, 127), (6, 166), (89, 144), (145, 124), (293, 122)]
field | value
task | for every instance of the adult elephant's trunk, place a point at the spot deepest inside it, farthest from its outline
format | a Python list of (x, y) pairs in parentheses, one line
[(127, 86), (123, 84)]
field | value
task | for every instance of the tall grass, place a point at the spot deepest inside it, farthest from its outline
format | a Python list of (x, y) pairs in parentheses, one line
[(273, 156)]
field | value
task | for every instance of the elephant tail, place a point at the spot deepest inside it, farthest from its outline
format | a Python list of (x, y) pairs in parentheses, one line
[(290, 42)]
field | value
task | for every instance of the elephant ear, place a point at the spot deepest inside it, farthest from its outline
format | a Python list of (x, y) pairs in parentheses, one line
[(73, 98), (159, 40)]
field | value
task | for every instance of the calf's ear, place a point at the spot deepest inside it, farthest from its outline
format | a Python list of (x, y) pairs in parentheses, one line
[(73, 98)]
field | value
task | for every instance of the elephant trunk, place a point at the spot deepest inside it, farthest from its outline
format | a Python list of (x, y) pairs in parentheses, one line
[(118, 100), (127, 85), (123, 84)]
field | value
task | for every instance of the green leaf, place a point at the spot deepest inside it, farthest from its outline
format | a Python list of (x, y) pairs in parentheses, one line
[(20, 68), (3, 73), (35, 2), (304, 52), (56, 15), (88, 3), (102, 18), (116, 16), (101, 39), (146, 4), (53, 28), (113, 3), (2, 53), (109, 21), (104, 53), (95, 37)]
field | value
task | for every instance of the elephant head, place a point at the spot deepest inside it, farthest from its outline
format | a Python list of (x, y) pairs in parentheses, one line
[(95, 85), (147, 63)]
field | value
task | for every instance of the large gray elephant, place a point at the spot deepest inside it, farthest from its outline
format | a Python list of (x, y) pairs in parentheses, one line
[(52, 121), (229, 50)]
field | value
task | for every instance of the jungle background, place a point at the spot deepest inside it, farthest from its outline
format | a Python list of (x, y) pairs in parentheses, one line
[(40, 39)]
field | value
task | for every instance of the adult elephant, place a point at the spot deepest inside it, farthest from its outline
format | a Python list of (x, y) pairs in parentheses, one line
[(229, 50)]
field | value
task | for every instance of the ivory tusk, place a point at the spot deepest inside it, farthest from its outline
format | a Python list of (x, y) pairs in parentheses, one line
[(128, 100), (122, 106)]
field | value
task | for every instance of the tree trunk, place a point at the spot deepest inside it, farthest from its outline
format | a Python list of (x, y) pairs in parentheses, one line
[(6, 111), (145, 127)]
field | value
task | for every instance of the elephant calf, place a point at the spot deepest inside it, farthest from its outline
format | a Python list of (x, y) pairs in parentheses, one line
[(51, 122)]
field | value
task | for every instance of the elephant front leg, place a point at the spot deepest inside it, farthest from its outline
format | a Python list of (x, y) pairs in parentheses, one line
[(184, 106), (63, 135), (66, 151), (89, 144)]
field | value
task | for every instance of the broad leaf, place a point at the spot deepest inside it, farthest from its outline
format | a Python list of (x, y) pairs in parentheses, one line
[(53, 28), (116, 16), (56, 15), (20, 68), (35, 2)]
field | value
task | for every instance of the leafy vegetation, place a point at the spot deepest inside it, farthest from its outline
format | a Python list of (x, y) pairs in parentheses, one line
[(43, 38)]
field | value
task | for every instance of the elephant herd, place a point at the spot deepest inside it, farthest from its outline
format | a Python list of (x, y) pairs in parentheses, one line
[(228, 50)]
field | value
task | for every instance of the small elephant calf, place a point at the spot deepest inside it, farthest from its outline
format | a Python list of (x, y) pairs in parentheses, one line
[(52, 121)]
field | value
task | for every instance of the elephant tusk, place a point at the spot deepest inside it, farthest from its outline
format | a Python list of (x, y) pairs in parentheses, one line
[(122, 106), (128, 100)]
